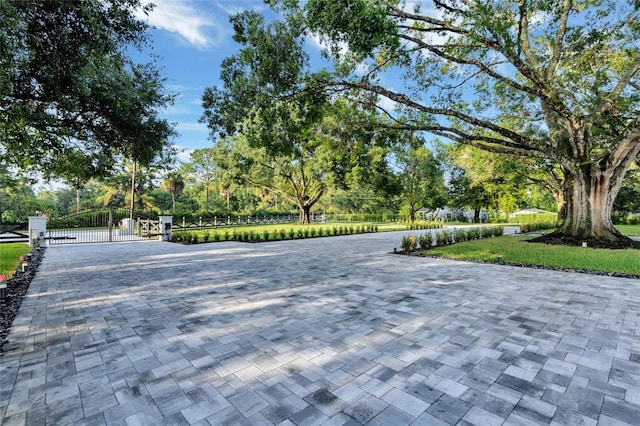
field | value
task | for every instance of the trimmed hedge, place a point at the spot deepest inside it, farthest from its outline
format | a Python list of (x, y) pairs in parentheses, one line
[(293, 233), (444, 237)]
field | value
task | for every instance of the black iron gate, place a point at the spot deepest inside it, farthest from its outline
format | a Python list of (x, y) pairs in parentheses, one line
[(14, 234), (100, 226)]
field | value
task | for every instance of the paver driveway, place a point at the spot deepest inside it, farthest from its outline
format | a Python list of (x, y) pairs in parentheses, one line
[(322, 331)]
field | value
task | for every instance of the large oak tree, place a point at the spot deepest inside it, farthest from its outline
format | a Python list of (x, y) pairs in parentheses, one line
[(70, 88), (554, 80)]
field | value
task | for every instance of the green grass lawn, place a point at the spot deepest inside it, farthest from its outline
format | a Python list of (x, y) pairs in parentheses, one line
[(517, 250), (10, 257), (630, 230)]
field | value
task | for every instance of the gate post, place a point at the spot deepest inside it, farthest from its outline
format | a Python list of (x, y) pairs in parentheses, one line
[(37, 230), (166, 223)]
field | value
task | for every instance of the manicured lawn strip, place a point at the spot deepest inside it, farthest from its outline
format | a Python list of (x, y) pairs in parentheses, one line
[(390, 227), (516, 250), (630, 230), (10, 257)]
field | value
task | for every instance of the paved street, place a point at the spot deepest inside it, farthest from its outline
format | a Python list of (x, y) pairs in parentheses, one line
[(326, 331)]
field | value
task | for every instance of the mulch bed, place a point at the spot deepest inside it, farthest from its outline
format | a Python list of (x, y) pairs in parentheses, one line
[(17, 287), (621, 244)]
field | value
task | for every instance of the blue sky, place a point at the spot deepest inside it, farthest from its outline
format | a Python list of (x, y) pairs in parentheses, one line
[(192, 37)]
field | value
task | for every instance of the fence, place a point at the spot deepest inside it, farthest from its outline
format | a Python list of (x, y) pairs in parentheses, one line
[(223, 222), (14, 233)]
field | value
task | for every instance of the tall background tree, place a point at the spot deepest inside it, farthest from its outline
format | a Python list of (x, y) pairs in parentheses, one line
[(556, 81), (174, 183), (201, 169), (276, 135), (420, 176), (500, 183), (69, 84)]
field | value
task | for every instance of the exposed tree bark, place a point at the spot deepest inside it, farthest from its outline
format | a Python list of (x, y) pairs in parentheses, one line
[(589, 193), (412, 213), (304, 217)]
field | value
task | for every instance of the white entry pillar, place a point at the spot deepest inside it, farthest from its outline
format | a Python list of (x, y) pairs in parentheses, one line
[(166, 222), (37, 230), (127, 227)]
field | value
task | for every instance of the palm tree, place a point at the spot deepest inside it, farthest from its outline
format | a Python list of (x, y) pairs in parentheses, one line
[(174, 183)]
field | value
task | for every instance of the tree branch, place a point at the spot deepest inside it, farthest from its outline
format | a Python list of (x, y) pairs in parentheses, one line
[(608, 101), (558, 42)]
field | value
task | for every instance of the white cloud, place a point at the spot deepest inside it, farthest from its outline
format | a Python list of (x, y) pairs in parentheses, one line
[(342, 51), (179, 17), (192, 127), (184, 153), (235, 7), (387, 104), (319, 43)]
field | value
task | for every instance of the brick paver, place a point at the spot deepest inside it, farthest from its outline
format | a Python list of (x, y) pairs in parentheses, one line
[(326, 331)]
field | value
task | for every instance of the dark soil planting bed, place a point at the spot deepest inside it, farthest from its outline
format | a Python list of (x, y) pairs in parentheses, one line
[(17, 287)]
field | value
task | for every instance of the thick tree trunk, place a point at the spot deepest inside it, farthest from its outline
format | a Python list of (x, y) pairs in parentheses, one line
[(476, 216), (305, 214), (206, 198), (412, 213), (132, 208), (588, 198)]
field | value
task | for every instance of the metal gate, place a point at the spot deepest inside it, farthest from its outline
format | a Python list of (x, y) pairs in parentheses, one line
[(148, 228), (14, 234), (99, 226)]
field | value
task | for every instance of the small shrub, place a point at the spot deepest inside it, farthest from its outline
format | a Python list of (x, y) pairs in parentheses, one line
[(194, 239), (425, 240), (413, 242), (234, 235), (265, 235), (226, 235), (486, 232), (460, 235), (205, 237), (313, 232), (305, 232), (449, 235), (252, 235), (291, 233), (406, 244), (535, 226), (283, 234), (216, 236), (498, 231), (441, 238), (473, 234), (632, 219)]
